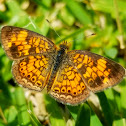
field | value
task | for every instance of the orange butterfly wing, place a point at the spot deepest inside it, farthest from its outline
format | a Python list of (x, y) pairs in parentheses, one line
[(97, 71), (68, 86), (19, 43)]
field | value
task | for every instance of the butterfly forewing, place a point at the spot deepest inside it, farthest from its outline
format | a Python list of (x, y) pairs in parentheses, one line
[(19, 43)]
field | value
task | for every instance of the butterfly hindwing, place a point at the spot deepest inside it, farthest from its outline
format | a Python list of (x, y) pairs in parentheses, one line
[(68, 86)]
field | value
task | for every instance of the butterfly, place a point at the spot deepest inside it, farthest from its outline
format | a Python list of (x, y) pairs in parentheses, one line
[(69, 76)]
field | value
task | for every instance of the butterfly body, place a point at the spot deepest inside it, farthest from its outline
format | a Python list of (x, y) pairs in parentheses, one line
[(58, 60), (70, 76)]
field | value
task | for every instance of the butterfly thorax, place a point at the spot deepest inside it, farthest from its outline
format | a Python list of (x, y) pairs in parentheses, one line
[(60, 54)]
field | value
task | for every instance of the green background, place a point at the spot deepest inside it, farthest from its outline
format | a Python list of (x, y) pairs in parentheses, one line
[(95, 25)]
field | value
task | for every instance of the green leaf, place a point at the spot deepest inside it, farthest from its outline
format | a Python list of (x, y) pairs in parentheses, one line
[(105, 108), (73, 110), (23, 115), (35, 121), (123, 97), (83, 118), (111, 52), (67, 17), (11, 114), (56, 117), (72, 35), (95, 120), (78, 11), (119, 122)]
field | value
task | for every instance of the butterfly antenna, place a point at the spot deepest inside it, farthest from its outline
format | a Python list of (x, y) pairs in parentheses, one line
[(53, 29)]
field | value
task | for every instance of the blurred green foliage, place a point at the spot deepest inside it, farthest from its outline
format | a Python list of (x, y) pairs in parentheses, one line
[(96, 25)]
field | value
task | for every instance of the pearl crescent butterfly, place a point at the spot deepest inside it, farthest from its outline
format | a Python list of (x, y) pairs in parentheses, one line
[(70, 76)]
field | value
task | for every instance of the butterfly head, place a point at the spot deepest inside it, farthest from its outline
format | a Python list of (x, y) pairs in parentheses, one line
[(64, 45)]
